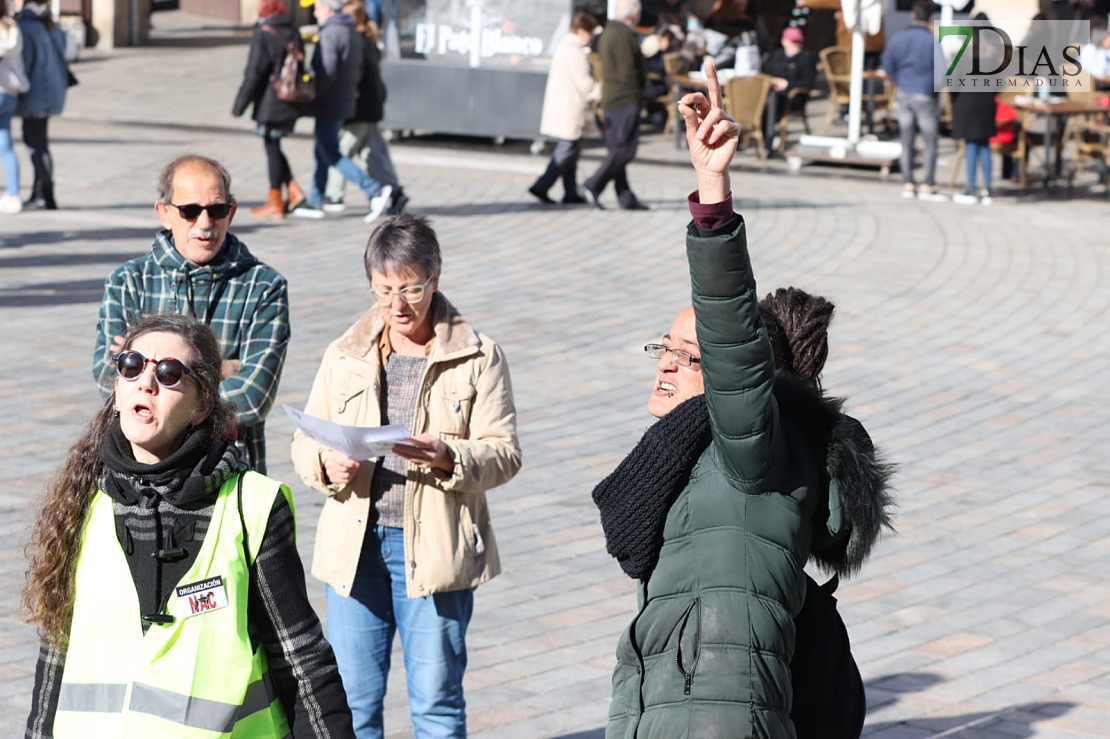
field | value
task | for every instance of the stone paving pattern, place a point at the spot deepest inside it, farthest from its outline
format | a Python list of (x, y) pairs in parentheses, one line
[(973, 343)]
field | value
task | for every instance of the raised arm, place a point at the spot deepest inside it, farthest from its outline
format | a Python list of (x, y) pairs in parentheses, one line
[(737, 363)]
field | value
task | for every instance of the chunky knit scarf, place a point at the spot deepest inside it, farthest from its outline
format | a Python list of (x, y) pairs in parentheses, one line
[(635, 498), (196, 470)]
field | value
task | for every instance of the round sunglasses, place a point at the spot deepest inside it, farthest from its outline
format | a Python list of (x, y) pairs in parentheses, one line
[(169, 372)]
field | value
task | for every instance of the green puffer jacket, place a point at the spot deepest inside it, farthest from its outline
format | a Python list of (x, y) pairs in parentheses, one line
[(708, 653)]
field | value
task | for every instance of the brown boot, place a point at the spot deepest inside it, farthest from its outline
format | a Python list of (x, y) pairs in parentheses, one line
[(273, 208), (295, 198)]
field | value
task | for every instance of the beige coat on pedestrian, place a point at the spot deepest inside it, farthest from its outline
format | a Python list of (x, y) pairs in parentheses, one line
[(570, 93), (466, 400)]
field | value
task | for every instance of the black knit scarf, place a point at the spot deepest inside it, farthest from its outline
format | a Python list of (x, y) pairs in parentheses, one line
[(196, 470), (635, 498)]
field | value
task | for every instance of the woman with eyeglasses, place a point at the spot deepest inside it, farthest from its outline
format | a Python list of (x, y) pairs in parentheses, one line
[(748, 472), (164, 576), (403, 540)]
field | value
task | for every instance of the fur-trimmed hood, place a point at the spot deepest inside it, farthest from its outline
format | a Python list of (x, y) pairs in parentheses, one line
[(858, 476)]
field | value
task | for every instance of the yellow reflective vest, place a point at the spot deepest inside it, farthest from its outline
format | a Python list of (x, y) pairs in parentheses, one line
[(195, 678)]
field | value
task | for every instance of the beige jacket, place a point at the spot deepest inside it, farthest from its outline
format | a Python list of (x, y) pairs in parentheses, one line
[(466, 400), (570, 91)]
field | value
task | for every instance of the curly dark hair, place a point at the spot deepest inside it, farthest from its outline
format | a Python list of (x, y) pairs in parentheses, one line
[(55, 543), (798, 326)]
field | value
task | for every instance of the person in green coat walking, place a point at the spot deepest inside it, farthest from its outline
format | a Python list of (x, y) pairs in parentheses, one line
[(749, 471)]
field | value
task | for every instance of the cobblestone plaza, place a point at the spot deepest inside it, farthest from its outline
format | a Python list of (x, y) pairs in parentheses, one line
[(973, 342)]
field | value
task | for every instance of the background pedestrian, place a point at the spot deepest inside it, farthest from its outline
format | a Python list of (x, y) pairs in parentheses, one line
[(44, 47), (567, 109), (273, 117)]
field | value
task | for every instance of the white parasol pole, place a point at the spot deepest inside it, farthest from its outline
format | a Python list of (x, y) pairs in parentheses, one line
[(855, 88)]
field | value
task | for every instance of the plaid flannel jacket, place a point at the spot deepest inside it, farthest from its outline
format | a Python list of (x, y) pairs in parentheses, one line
[(245, 302)]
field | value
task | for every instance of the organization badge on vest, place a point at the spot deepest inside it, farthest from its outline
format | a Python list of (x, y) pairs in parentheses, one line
[(201, 597)]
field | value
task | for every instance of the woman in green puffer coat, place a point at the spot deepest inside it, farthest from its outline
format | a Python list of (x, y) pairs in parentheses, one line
[(749, 472)]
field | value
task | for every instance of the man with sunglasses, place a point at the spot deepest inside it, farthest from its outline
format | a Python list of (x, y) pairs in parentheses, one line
[(195, 267)]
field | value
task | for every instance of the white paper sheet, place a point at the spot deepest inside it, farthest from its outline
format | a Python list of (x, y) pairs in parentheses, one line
[(354, 441)]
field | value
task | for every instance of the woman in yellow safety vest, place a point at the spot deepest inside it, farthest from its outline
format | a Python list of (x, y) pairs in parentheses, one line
[(164, 576)]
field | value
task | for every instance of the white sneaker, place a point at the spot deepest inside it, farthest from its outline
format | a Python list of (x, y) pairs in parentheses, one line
[(10, 204), (909, 191), (965, 198), (334, 206), (379, 203), (931, 194), (985, 197), (309, 211)]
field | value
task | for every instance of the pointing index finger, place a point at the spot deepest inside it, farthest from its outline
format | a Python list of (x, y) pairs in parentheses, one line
[(714, 86)]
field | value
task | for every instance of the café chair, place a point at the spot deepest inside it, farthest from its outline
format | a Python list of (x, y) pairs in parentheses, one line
[(836, 62), (745, 99), (668, 100)]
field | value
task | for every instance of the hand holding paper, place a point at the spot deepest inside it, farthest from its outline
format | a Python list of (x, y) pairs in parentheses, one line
[(426, 451), (355, 442)]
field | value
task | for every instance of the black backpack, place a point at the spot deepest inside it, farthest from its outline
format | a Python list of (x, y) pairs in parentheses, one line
[(829, 699)]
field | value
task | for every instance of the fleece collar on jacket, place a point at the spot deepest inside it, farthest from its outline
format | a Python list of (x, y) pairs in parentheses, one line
[(860, 471), (453, 336), (233, 258)]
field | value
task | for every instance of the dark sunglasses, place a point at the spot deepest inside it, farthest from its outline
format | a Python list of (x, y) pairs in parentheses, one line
[(192, 211), (169, 372)]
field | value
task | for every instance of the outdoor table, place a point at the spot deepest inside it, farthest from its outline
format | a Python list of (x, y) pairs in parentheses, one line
[(1051, 111)]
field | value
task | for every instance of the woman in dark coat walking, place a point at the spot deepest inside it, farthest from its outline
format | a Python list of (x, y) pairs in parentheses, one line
[(973, 121), (273, 117)]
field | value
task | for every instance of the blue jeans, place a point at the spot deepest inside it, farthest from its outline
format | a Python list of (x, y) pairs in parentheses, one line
[(433, 639), (918, 111), (327, 155), (7, 156), (978, 152), (363, 141)]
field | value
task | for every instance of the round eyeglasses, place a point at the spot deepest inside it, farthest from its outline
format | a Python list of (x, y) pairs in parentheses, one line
[(680, 357), (169, 372)]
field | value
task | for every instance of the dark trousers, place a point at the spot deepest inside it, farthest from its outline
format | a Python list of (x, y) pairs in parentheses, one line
[(622, 135), (37, 140), (564, 163), (276, 164)]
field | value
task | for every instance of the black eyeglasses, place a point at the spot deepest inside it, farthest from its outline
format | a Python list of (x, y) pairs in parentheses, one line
[(192, 211), (169, 372), (680, 357)]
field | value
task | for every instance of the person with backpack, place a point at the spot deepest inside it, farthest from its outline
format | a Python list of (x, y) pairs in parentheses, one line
[(44, 47), (749, 472), (274, 39), (361, 138)]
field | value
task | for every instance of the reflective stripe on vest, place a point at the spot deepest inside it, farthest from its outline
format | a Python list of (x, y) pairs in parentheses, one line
[(197, 678), (186, 710)]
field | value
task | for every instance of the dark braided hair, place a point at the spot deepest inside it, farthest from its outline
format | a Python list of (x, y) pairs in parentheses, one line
[(798, 326)]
